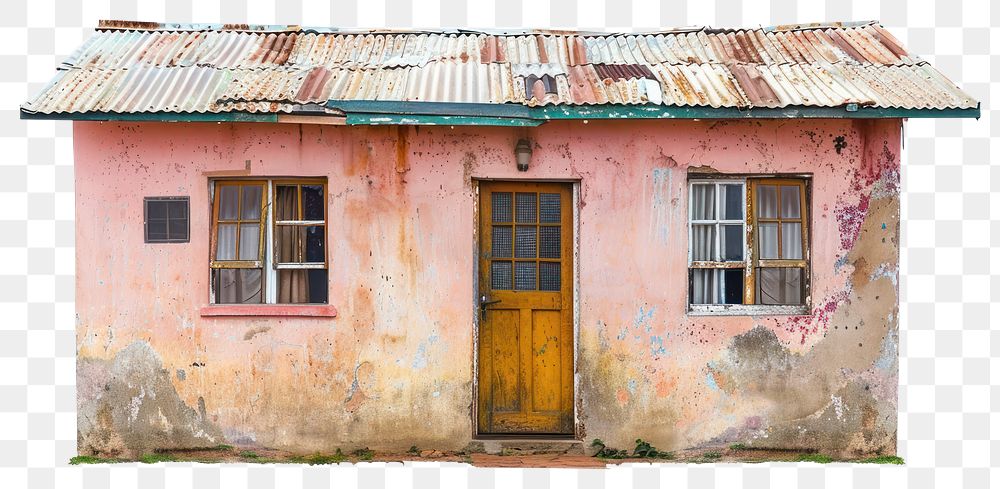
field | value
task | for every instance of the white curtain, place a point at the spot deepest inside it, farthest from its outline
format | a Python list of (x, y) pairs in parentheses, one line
[(790, 208), (767, 201), (767, 240), (705, 286), (225, 246), (703, 242), (703, 202), (791, 240)]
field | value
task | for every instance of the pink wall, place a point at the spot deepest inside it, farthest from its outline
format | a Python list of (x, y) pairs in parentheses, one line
[(394, 369)]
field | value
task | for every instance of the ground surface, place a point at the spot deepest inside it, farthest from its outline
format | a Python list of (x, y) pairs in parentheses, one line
[(229, 454)]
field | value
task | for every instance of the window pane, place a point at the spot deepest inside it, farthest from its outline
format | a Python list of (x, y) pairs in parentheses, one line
[(732, 242), (177, 208), (704, 286), (549, 276), (791, 240), (550, 208), (767, 201), (703, 242), (286, 204), (501, 206), (525, 242), (550, 243), (315, 244), (302, 286), (703, 202), (733, 203), (500, 275), (228, 202), (312, 202), (779, 285), (156, 229), (156, 209), (790, 202), (226, 242), (251, 202), (502, 241), (178, 228), (767, 240), (237, 285), (527, 207), (732, 286), (250, 241), (524, 275)]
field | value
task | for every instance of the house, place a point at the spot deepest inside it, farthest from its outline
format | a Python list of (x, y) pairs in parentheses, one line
[(309, 239)]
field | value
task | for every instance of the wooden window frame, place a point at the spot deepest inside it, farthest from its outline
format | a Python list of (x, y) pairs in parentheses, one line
[(145, 219), (298, 183), (751, 261), (267, 257), (259, 262)]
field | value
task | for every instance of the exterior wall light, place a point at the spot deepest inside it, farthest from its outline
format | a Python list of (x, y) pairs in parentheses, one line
[(523, 153)]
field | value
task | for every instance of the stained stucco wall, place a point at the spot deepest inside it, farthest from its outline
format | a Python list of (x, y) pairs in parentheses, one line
[(395, 368)]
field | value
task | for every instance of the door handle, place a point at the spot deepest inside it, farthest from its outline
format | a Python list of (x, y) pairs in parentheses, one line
[(483, 302)]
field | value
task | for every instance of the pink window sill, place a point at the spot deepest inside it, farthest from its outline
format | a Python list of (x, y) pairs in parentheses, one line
[(268, 310)]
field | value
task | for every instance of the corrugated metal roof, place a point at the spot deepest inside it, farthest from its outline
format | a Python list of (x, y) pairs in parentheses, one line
[(142, 67)]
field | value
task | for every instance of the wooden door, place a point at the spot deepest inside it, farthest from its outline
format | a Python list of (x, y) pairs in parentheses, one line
[(526, 308)]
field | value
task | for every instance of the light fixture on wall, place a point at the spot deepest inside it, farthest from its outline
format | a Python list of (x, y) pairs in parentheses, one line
[(523, 154)]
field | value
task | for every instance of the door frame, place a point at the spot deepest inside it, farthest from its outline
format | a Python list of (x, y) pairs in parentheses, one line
[(575, 184)]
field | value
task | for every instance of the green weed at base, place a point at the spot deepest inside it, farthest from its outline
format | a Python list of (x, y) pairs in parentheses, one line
[(883, 459), (87, 459), (818, 458)]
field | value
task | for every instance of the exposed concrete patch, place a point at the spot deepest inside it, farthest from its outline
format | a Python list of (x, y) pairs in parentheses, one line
[(128, 406), (839, 396)]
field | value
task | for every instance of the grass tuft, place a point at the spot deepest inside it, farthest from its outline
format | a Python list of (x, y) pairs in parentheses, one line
[(155, 458), (364, 454), (87, 459), (883, 459), (818, 458), (320, 459)]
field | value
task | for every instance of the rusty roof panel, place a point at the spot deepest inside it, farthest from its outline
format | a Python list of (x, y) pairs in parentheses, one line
[(146, 67)]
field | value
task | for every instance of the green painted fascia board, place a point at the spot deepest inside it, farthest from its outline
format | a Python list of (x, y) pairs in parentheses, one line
[(442, 113), (431, 108), (553, 112), (154, 116), (361, 119)]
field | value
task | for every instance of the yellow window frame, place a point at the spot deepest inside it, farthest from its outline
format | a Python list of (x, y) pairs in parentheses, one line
[(298, 183), (750, 284), (239, 222)]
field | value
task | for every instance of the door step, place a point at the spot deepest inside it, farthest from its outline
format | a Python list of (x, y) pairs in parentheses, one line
[(528, 447)]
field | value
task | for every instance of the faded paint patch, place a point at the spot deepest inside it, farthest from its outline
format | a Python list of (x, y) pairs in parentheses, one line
[(129, 406)]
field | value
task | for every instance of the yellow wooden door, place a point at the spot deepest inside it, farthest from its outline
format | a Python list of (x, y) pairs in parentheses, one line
[(526, 308)]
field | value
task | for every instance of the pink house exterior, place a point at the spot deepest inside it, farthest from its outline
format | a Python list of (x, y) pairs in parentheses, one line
[(392, 358), (394, 368)]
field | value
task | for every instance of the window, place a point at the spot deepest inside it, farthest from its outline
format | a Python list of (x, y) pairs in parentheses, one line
[(526, 241), (748, 245), (269, 242), (166, 219)]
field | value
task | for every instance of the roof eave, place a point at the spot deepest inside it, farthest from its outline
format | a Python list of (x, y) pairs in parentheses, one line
[(364, 112), (414, 110)]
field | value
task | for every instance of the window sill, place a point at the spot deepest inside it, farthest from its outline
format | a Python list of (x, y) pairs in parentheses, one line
[(269, 310), (746, 310)]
